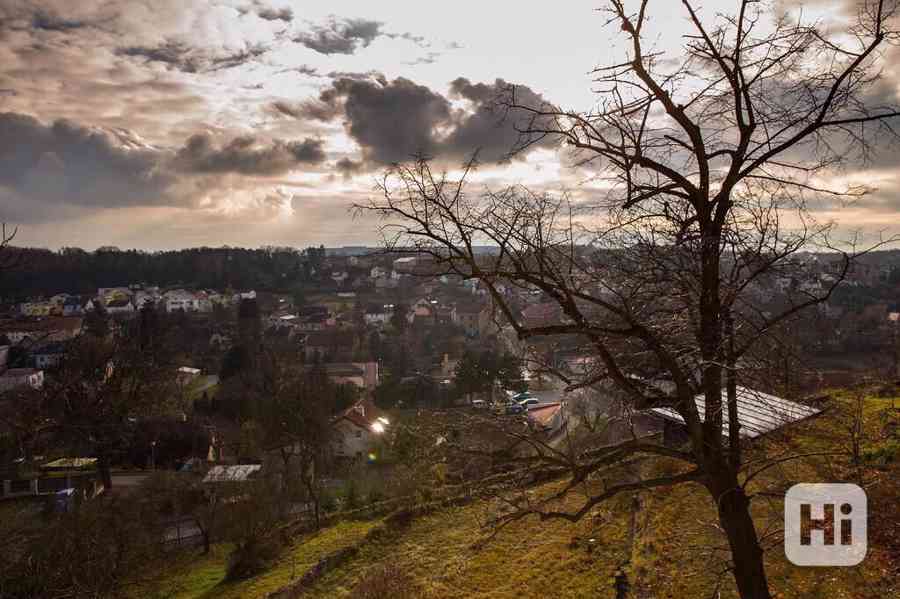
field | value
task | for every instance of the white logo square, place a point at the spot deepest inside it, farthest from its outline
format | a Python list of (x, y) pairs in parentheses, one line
[(825, 524)]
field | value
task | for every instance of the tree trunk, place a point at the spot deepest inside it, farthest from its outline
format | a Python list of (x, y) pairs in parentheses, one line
[(103, 468), (734, 516)]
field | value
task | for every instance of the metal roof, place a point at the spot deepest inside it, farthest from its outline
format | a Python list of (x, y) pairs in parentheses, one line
[(758, 413), (238, 473)]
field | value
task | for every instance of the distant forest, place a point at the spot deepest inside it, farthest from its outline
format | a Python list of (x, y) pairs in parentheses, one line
[(33, 272)]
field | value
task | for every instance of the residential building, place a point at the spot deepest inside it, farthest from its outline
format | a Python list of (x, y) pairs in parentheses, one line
[(16, 378), (73, 306), (36, 309), (49, 355), (378, 314), (379, 272), (120, 305), (180, 299), (359, 430), (364, 375)]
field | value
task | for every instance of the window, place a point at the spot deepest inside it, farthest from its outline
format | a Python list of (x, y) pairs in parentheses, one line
[(359, 434)]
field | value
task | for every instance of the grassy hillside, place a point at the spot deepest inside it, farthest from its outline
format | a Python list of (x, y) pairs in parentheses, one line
[(666, 543)]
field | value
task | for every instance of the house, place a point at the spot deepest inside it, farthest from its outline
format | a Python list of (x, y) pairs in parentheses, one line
[(120, 305), (364, 375), (16, 378), (359, 430), (72, 306), (758, 414), (145, 297), (404, 266), (180, 299), (41, 308), (378, 314), (108, 294), (379, 272), (186, 374), (467, 315), (549, 418), (48, 355), (424, 310)]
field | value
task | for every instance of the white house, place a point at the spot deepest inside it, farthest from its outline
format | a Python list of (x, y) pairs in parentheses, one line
[(180, 299), (359, 430), (378, 315)]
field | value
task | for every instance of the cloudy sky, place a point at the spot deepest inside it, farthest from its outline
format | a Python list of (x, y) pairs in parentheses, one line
[(173, 123)]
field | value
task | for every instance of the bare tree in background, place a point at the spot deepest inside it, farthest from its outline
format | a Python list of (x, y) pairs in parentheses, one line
[(7, 235), (705, 166)]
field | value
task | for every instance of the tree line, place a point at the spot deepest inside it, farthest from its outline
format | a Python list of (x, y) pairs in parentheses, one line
[(43, 272)]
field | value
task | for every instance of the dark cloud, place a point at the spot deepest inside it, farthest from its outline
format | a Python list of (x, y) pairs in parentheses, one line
[(392, 121), (47, 21), (348, 168), (247, 156), (341, 36), (67, 163), (189, 59), (276, 14), (488, 127)]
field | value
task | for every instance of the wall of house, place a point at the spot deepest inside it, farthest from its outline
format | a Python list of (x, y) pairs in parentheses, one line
[(350, 440)]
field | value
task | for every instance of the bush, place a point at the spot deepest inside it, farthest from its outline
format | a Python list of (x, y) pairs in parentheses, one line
[(252, 557), (386, 582)]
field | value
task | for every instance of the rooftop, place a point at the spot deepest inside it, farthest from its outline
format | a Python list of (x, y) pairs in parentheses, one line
[(758, 413)]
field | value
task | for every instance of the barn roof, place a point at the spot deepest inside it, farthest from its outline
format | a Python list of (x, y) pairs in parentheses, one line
[(758, 413)]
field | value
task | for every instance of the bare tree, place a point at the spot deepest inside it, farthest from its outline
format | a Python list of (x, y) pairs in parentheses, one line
[(706, 166)]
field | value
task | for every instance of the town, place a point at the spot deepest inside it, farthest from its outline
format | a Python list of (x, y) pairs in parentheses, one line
[(446, 301)]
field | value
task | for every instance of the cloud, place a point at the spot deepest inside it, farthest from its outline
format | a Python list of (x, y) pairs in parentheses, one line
[(247, 156), (51, 22), (341, 36), (392, 121), (349, 168), (276, 14), (189, 59), (64, 162)]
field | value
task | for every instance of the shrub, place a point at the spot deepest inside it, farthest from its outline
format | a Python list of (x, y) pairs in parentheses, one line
[(386, 582), (252, 557)]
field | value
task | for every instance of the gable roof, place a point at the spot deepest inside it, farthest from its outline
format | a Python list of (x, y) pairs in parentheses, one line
[(542, 414), (758, 413), (363, 414)]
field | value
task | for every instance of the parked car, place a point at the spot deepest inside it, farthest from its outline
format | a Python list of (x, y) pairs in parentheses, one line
[(519, 397), (530, 403), (479, 404)]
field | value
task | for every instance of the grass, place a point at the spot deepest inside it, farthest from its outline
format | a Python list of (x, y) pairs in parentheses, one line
[(203, 577), (677, 551), (447, 557), (674, 559)]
